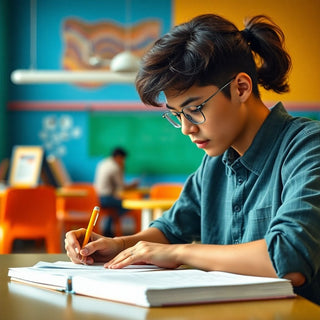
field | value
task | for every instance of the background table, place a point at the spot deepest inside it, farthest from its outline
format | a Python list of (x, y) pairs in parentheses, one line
[(67, 193), (60, 192), (20, 301), (148, 208)]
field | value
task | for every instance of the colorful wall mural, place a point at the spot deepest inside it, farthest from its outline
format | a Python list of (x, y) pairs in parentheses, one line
[(92, 46)]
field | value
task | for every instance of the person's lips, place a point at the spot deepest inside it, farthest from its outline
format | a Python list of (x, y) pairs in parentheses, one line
[(201, 144)]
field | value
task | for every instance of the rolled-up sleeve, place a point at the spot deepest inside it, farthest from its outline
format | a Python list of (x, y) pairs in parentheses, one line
[(293, 237)]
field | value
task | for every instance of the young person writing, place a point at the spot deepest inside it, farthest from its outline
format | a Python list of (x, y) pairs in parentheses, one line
[(254, 202)]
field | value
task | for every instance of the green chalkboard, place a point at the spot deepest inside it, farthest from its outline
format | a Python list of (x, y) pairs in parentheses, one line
[(154, 146)]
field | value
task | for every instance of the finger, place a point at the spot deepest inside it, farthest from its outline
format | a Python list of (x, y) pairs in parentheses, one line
[(96, 244), (90, 248), (71, 251), (73, 238), (87, 260), (123, 259), (75, 258)]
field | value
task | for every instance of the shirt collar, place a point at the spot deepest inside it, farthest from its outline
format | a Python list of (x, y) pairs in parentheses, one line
[(256, 156)]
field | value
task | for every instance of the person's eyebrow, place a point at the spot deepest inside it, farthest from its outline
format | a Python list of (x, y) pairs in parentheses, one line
[(185, 103)]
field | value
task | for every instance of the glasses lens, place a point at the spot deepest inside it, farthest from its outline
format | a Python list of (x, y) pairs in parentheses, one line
[(175, 121), (194, 114)]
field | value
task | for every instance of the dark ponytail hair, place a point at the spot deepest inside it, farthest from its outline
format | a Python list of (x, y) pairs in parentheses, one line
[(266, 40), (210, 50)]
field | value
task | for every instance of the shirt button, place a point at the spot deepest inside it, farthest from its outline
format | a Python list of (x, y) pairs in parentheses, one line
[(236, 208), (240, 181)]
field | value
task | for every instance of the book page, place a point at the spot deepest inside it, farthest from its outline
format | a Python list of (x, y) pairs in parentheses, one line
[(97, 266), (59, 274)]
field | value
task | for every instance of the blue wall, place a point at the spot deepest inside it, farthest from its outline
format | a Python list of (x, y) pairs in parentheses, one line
[(26, 126), (50, 15)]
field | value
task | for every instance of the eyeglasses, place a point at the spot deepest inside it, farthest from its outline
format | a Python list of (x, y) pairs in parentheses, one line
[(192, 113)]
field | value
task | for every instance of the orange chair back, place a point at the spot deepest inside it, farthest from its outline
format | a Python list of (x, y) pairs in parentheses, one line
[(166, 191), (83, 203), (134, 215), (74, 211), (29, 213)]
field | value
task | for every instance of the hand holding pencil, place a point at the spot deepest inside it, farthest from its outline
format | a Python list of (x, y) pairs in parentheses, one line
[(92, 222)]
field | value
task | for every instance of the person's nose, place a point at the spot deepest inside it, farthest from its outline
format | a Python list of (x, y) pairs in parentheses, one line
[(187, 127)]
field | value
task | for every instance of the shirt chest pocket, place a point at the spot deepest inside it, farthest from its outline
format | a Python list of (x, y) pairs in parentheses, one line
[(256, 223)]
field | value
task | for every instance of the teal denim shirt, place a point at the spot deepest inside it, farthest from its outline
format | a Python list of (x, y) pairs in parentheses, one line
[(271, 192)]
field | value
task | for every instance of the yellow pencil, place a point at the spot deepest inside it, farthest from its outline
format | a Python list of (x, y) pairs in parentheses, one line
[(92, 222)]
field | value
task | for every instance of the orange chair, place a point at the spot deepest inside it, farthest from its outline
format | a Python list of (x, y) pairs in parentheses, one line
[(166, 191), (29, 213), (74, 212), (135, 215)]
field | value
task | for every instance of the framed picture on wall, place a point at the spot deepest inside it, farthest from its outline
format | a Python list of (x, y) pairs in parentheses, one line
[(26, 165)]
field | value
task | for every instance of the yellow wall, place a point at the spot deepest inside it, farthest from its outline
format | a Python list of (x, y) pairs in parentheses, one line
[(300, 21)]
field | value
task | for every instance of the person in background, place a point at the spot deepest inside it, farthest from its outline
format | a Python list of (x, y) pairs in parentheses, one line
[(253, 205), (109, 182)]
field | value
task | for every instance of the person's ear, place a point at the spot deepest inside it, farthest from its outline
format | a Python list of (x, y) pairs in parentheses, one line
[(243, 85)]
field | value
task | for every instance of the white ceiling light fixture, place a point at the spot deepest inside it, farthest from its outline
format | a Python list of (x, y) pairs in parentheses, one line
[(55, 76), (126, 61), (123, 66)]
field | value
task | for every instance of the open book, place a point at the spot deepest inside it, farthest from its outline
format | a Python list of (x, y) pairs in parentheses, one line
[(59, 275), (150, 286)]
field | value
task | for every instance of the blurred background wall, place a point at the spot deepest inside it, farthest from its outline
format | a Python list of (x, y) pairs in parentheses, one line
[(80, 124)]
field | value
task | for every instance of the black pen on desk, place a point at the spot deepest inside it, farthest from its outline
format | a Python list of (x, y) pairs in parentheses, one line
[(92, 222)]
